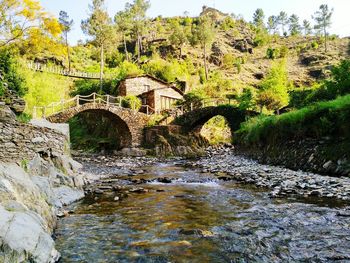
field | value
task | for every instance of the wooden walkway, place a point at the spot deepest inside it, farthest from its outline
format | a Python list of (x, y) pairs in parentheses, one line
[(64, 72)]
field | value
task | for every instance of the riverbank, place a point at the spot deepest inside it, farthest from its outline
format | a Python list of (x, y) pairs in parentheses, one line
[(227, 166), (282, 181)]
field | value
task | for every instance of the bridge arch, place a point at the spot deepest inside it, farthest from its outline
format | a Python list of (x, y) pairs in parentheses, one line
[(129, 122), (193, 121)]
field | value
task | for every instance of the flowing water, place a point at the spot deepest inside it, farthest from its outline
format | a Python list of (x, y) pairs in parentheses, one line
[(197, 218)]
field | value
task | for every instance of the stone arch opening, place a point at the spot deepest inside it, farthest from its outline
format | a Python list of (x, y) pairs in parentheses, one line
[(99, 130), (216, 130)]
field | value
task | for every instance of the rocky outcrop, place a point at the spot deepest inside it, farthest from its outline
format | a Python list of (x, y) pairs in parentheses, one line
[(37, 179)]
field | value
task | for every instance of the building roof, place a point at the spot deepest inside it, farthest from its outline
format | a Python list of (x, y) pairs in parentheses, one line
[(148, 76), (169, 85)]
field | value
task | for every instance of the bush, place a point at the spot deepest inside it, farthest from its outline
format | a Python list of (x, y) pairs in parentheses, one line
[(228, 61), (131, 102), (314, 45), (316, 121), (10, 72), (337, 85), (272, 53)]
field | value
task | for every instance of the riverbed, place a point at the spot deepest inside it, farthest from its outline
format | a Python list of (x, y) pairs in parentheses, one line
[(147, 210)]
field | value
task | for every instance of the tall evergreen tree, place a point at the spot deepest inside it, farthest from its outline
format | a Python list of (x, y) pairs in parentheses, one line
[(66, 24), (123, 22), (283, 21), (307, 27), (139, 21), (294, 26), (204, 34), (258, 18), (323, 18), (272, 24), (99, 26)]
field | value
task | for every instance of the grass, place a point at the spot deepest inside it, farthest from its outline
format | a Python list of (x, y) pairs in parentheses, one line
[(323, 119)]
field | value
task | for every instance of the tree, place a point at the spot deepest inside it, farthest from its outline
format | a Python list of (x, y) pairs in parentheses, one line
[(124, 25), (322, 18), (139, 22), (258, 18), (178, 36), (273, 93), (66, 24), (100, 28), (283, 21), (247, 100), (204, 34), (294, 26), (307, 27), (272, 24), (19, 17)]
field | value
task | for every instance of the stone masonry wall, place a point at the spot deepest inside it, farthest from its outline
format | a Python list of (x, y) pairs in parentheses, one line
[(20, 142)]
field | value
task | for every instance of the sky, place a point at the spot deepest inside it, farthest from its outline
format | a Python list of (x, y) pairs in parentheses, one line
[(78, 10)]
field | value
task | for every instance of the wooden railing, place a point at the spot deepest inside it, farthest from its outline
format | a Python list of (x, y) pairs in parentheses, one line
[(64, 72), (112, 101), (78, 100)]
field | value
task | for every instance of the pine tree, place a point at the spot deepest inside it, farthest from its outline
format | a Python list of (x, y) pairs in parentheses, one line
[(307, 27), (139, 21), (124, 25), (294, 26), (99, 27), (322, 18), (258, 18), (204, 34), (272, 24), (66, 24), (283, 21)]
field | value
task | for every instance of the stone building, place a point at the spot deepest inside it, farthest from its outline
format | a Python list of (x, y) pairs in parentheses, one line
[(157, 94), (213, 13)]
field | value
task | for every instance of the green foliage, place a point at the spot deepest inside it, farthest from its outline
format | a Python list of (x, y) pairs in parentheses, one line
[(273, 92), (168, 71), (294, 26), (258, 18), (10, 72), (272, 53), (87, 86), (314, 45), (337, 85), (247, 100), (44, 88), (217, 131), (262, 38), (24, 118), (323, 18), (131, 102), (298, 96), (228, 24), (316, 121), (193, 99), (228, 61)]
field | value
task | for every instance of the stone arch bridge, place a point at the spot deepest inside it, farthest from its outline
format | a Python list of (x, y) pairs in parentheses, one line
[(131, 123), (194, 120)]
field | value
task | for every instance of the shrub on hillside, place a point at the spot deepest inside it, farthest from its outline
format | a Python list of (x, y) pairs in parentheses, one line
[(131, 102), (10, 73)]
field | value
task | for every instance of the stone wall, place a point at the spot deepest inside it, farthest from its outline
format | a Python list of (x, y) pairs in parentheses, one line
[(20, 142), (327, 156)]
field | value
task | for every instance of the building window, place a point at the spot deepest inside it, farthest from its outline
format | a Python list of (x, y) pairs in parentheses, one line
[(146, 88), (144, 101)]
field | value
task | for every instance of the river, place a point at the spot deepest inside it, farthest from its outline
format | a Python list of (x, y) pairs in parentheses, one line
[(191, 216)]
